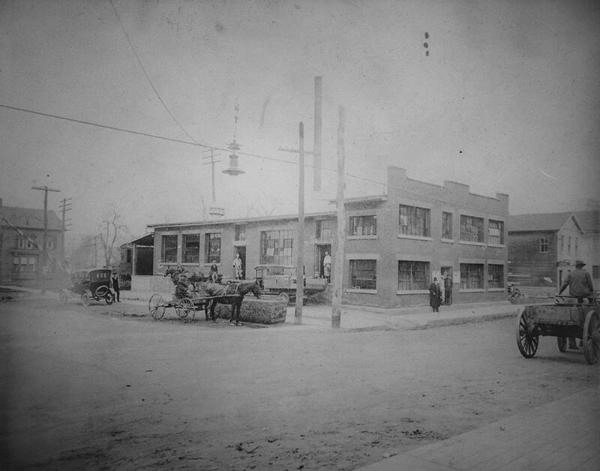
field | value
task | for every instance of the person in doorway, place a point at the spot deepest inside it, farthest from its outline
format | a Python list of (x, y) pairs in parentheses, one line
[(237, 266), (327, 267), (448, 289), (213, 276), (580, 286), (115, 286), (435, 295)]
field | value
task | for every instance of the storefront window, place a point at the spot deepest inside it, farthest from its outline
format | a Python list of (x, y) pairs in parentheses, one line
[(191, 248), (412, 275), (276, 247), (169, 249), (213, 248), (471, 276), (363, 274)]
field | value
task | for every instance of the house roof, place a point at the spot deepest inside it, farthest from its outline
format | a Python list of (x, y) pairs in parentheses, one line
[(29, 218), (587, 221)]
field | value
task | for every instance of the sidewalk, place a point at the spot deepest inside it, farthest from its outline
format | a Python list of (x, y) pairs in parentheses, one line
[(563, 435)]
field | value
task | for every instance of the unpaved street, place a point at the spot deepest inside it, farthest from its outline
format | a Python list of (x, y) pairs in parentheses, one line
[(93, 389)]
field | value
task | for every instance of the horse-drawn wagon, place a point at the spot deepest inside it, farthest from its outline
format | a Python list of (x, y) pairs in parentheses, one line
[(562, 320)]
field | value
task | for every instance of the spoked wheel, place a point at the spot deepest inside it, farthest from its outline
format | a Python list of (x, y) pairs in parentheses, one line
[(156, 306), (109, 297), (562, 343), (85, 299), (184, 308), (63, 297), (591, 338), (104, 292), (527, 341)]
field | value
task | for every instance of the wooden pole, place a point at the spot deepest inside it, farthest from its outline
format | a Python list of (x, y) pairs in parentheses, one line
[(300, 251), (317, 135), (44, 264), (338, 275)]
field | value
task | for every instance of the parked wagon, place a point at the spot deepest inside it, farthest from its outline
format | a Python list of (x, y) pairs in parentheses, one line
[(562, 320), (281, 280), (183, 306), (89, 285)]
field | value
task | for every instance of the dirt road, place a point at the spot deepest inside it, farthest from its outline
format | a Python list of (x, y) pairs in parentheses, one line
[(89, 389)]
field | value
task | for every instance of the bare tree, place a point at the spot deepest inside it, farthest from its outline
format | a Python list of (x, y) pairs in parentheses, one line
[(110, 230)]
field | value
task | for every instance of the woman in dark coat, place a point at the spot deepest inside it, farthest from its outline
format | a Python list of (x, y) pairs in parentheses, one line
[(435, 295)]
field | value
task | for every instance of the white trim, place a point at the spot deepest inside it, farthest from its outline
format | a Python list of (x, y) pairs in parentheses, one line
[(497, 246), (362, 256), (472, 290), (416, 291), (361, 291), (412, 237), (359, 237), (447, 241), (478, 244)]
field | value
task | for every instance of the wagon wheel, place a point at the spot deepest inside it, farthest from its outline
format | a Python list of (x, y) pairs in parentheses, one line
[(591, 338), (63, 296), (285, 297), (527, 341), (562, 343), (156, 306), (184, 307)]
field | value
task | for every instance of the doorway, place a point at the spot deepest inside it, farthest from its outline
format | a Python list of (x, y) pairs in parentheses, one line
[(446, 284), (242, 251), (320, 251)]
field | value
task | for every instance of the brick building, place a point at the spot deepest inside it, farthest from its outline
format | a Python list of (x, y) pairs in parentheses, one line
[(543, 248), (395, 243), (21, 242)]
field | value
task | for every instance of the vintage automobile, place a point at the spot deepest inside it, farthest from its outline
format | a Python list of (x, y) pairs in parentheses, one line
[(281, 280), (89, 285)]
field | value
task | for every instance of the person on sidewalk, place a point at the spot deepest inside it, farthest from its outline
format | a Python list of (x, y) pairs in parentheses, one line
[(237, 266), (435, 295), (580, 286), (447, 289), (115, 286)]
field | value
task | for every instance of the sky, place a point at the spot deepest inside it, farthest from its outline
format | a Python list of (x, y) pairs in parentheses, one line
[(113, 102)]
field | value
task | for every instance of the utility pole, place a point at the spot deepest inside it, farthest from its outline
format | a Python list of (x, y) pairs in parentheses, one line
[(64, 206), (300, 260), (336, 305), (44, 264), (317, 130), (213, 210)]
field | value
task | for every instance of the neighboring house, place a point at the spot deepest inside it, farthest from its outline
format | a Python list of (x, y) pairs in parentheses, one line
[(21, 244), (543, 248), (395, 243)]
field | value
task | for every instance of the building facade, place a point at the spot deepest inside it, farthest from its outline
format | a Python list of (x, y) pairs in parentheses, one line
[(21, 244), (543, 248), (395, 243)]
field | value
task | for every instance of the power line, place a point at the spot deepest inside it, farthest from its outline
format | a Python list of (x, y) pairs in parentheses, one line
[(139, 61)]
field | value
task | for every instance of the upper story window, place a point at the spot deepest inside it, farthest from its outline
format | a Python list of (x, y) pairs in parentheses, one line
[(325, 229), (212, 247), (191, 248), (471, 229), (363, 226), (414, 221), (446, 225), (544, 244), (169, 249), (363, 274), (240, 232), (277, 247), (495, 232)]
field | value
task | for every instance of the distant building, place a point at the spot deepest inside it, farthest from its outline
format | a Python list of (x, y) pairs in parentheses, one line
[(543, 248), (395, 243), (21, 244)]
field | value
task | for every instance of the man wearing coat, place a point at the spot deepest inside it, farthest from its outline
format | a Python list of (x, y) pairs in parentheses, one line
[(435, 295)]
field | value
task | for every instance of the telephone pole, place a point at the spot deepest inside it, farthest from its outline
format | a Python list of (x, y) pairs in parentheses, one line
[(64, 206), (300, 261), (336, 305), (44, 264)]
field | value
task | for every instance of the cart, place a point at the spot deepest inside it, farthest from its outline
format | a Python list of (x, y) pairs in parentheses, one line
[(562, 320), (281, 280), (184, 306), (89, 285)]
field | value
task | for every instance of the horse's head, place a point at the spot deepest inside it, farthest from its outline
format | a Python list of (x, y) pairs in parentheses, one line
[(256, 289)]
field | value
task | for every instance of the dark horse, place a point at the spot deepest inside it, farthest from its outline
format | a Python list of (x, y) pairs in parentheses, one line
[(233, 294)]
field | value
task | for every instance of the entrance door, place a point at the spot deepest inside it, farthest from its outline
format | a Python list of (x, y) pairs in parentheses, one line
[(242, 251), (320, 251)]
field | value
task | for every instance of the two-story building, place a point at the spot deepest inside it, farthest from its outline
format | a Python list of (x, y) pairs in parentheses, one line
[(21, 244), (543, 247), (395, 243)]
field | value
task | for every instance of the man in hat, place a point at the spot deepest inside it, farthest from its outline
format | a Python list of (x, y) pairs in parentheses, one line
[(579, 282), (580, 286)]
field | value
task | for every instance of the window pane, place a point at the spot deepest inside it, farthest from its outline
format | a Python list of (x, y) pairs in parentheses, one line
[(213, 248), (276, 247), (413, 275), (471, 276), (495, 276), (446, 225), (414, 221), (169, 249), (496, 232), (191, 248), (363, 225), (471, 229), (363, 274)]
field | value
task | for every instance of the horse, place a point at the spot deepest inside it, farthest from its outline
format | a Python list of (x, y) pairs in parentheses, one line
[(232, 294)]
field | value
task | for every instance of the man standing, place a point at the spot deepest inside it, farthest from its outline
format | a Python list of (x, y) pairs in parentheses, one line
[(435, 295), (327, 266), (115, 286), (580, 286), (237, 266), (448, 289)]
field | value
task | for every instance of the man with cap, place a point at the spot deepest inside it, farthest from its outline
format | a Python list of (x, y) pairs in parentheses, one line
[(580, 286)]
